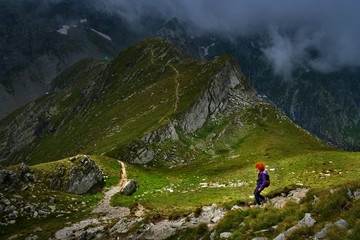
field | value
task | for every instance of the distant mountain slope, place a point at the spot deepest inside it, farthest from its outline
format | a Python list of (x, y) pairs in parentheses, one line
[(151, 92)]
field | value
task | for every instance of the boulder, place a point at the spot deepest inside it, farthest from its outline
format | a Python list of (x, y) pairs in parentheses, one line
[(225, 235), (84, 176), (56, 181), (8, 179), (25, 173), (130, 188)]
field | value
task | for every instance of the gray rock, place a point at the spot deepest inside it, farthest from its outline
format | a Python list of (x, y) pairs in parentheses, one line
[(225, 235), (1, 208), (8, 179), (25, 173), (357, 194), (5, 201), (161, 134), (321, 234), (349, 193), (12, 216), (130, 188), (56, 181), (342, 223), (10, 208), (212, 235), (306, 221), (38, 229), (124, 224), (139, 152), (176, 224), (84, 177), (52, 200), (228, 84)]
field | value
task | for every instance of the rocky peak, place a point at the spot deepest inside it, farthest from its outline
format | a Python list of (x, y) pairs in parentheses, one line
[(174, 32)]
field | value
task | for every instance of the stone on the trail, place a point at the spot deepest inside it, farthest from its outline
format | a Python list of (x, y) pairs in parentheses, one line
[(225, 235), (84, 177), (176, 224), (130, 188)]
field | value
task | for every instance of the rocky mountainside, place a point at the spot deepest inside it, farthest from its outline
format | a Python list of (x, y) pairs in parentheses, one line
[(175, 91), (41, 39), (326, 104)]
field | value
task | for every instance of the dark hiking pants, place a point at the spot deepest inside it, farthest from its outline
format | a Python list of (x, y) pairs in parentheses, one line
[(258, 196)]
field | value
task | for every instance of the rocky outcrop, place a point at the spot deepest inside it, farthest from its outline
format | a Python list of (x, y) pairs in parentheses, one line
[(161, 134), (84, 176), (130, 188), (321, 235), (10, 179), (307, 221), (228, 90), (138, 152)]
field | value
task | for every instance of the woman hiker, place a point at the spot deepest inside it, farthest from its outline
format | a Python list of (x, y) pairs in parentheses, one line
[(261, 182)]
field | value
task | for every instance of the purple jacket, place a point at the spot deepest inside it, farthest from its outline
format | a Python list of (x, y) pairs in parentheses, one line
[(261, 182)]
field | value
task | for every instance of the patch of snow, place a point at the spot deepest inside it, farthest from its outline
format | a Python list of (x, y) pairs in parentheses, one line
[(64, 29), (84, 20), (102, 34), (206, 48)]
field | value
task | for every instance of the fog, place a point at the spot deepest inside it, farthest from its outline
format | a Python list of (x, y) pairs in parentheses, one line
[(329, 27), (319, 34)]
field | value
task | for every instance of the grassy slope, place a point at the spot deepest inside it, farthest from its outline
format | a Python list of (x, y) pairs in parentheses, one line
[(296, 156)]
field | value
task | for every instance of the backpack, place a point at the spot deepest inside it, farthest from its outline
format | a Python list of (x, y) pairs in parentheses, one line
[(267, 180)]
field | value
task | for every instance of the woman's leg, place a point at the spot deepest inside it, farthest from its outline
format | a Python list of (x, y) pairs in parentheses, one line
[(258, 196)]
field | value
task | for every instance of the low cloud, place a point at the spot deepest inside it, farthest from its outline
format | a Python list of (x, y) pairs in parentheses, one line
[(293, 28)]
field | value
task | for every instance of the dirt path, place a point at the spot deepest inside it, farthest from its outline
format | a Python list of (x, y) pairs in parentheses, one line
[(104, 210), (104, 205), (177, 88)]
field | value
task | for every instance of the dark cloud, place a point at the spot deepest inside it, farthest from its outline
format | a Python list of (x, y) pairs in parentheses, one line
[(293, 27), (319, 34)]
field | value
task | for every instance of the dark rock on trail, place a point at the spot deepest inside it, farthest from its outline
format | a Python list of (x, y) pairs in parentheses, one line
[(130, 188)]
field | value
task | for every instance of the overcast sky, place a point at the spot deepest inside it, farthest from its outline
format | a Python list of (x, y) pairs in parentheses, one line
[(292, 27), (330, 26)]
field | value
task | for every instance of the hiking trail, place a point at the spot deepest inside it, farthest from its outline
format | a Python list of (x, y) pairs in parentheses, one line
[(177, 88)]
